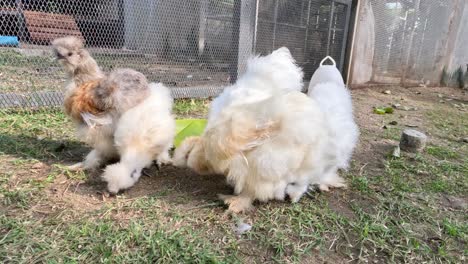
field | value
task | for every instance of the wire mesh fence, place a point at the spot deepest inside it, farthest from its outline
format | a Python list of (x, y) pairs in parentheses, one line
[(196, 47), (409, 42)]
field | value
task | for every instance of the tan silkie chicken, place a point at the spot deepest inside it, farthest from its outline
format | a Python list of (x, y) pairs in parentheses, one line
[(268, 138), (143, 134), (94, 100)]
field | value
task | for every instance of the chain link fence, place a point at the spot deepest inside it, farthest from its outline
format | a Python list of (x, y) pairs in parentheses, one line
[(196, 47), (410, 42)]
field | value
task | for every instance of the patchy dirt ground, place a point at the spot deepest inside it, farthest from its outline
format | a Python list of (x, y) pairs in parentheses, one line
[(410, 209)]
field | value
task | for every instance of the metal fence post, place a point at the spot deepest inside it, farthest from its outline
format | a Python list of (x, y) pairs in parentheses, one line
[(22, 33), (243, 36)]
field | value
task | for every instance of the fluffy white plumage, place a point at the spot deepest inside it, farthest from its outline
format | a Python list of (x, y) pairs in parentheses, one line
[(269, 139), (264, 77), (329, 91), (144, 133)]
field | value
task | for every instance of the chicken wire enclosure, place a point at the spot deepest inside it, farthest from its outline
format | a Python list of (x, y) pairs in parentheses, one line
[(196, 47), (310, 29), (408, 42)]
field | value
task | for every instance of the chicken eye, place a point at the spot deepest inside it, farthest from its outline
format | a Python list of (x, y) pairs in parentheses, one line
[(69, 54)]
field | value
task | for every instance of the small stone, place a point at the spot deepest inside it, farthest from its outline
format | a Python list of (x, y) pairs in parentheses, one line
[(406, 108), (396, 152), (413, 141), (387, 92), (396, 105), (393, 123), (440, 96), (38, 165), (465, 140), (241, 228)]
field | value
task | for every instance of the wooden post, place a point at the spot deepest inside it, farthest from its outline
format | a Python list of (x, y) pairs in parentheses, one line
[(243, 35), (409, 58)]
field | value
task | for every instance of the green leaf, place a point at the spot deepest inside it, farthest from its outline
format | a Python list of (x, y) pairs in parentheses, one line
[(383, 110), (388, 110), (379, 111), (187, 128)]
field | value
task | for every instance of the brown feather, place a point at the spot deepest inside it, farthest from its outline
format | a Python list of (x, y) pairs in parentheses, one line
[(83, 100), (243, 138)]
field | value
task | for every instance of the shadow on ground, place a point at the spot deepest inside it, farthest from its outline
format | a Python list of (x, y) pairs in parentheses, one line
[(45, 150), (171, 182)]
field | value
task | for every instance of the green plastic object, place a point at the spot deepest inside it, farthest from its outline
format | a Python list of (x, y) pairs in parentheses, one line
[(187, 128)]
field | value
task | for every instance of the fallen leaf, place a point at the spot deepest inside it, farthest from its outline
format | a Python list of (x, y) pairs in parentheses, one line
[(388, 110), (379, 111), (383, 110), (396, 152)]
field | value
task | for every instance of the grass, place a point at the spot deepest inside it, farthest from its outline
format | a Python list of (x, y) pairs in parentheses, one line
[(186, 108), (93, 240), (21, 73), (392, 212)]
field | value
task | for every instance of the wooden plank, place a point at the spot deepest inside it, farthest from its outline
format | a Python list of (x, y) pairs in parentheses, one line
[(48, 24), (48, 15), (45, 37), (51, 23), (39, 29), (44, 27)]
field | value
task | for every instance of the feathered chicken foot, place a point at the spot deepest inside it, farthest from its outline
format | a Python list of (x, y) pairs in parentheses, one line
[(92, 161), (75, 167), (164, 159), (326, 187), (237, 203)]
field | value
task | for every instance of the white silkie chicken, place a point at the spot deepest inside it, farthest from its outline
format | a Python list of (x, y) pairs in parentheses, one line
[(268, 138), (327, 88), (264, 77), (144, 133)]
